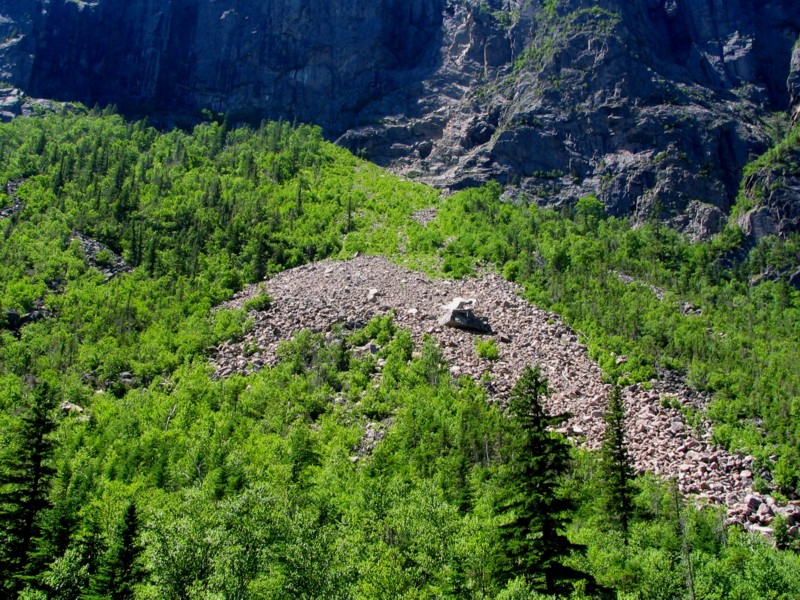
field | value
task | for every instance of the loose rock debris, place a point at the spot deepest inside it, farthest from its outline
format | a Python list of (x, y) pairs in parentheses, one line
[(16, 202), (319, 295), (100, 257)]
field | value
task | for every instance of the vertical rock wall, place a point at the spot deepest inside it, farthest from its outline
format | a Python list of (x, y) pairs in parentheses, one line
[(311, 61)]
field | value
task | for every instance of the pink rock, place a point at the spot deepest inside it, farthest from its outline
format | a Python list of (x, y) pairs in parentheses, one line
[(752, 503)]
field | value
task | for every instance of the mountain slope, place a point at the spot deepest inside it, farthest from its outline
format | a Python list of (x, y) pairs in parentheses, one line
[(654, 106), (662, 436), (355, 462)]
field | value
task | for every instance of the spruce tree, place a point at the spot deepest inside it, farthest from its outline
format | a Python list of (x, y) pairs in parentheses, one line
[(617, 469), (118, 571), (534, 541), (25, 474)]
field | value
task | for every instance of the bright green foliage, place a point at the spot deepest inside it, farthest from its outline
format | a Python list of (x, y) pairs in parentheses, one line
[(672, 547), (740, 345), (329, 476), (197, 214), (487, 349), (258, 303), (589, 211)]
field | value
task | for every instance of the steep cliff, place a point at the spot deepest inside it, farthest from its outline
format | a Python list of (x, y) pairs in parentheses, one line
[(316, 61), (656, 106)]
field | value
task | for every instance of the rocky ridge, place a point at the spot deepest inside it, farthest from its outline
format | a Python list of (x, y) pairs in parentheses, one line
[(666, 431)]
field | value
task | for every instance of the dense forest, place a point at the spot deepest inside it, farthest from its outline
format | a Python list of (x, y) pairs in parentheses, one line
[(128, 471)]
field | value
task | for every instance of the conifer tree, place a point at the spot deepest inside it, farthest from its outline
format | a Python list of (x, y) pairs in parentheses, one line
[(117, 571), (534, 541), (617, 469), (24, 480)]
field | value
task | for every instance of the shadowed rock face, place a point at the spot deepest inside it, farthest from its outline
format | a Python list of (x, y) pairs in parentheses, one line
[(311, 61), (654, 105)]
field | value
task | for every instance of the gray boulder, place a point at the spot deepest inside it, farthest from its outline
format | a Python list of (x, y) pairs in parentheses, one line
[(459, 314)]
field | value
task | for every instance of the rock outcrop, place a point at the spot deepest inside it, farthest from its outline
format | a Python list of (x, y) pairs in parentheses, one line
[(460, 314), (793, 83), (16, 202), (15, 103), (655, 106), (13, 321), (101, 257), (773, 190)]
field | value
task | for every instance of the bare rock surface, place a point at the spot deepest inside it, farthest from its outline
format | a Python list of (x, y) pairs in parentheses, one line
[(425, 216), (460, 314), (15, 103), (16, 202), (100, 257), (661, 438)]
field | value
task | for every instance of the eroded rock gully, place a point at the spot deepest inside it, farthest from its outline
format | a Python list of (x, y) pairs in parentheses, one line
[(318, 295)]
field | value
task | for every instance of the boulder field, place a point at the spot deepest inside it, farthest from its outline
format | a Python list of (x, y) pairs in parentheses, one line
[(660, 435)]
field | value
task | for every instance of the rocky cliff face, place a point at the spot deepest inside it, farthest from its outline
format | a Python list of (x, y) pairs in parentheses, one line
[(773, 191), (317, 62), (653, 105), (793, 83)]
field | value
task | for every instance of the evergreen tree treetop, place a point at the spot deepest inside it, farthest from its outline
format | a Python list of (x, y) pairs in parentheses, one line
[(534, 538)]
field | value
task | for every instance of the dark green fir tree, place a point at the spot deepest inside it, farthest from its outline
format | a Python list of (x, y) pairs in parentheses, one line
[(25, 474), (534, 541), (617, 469), (118, 571)]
